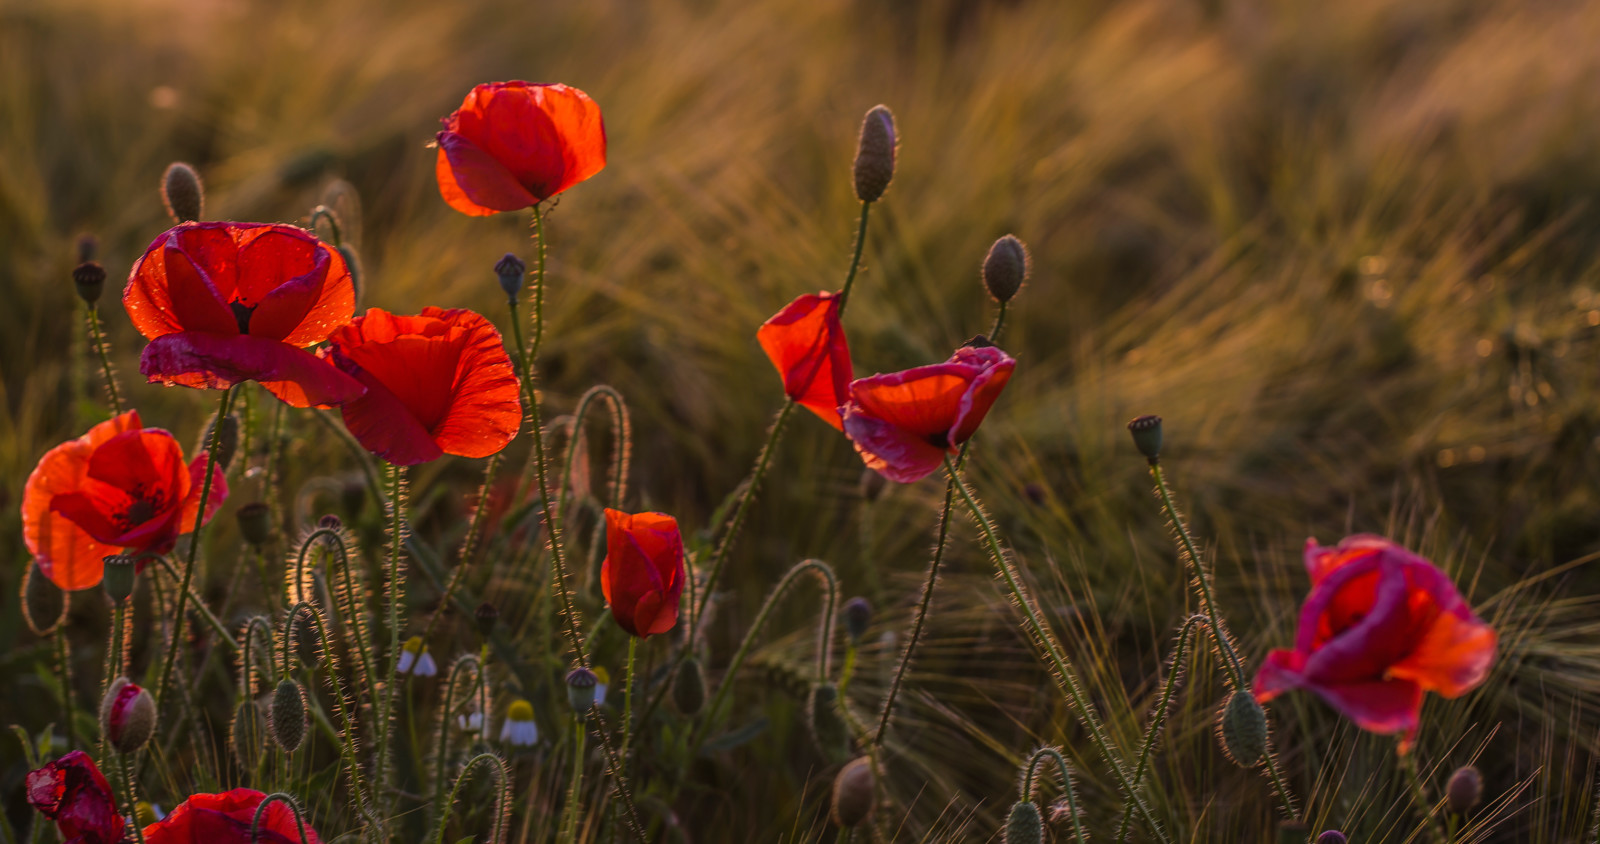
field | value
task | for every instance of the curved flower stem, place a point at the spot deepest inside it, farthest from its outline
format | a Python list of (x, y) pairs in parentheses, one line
[(1065, 677), (98, 341), (130, 793), (261, 810), (64, 676), (178, 617), (999, 322), (347, 739), (354, 615), (216, 625), (1216, 623), (502, 797), (1030, 782), (1159, 717), (396, 590), (462, 664), (1419, 795)]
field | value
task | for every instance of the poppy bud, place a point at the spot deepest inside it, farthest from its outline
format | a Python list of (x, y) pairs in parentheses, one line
[(119, 575), (127, 716), (872, 485), (580, 689), (1146, 432), (1464, 790), (827, 725), (255, 523), (90, 280), (307, 640), (1244, 729), (511, 269), (1005, 268), (352, 262), (689, 687), (87, 247), (288, 717), (854, 793), (1332, 836), (227, 440), (1024, 826), (330, 522), (43, 603), (857, 617), (875, 154), (485, 617), (182, 192), (248, 733)]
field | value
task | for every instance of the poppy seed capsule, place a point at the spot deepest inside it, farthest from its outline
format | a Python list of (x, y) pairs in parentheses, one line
[(1146, 432), (857, 618), (43, 603), (1464, 790), (854, 793), (255, 523), (1244, 729), (689, 687), (307, 639), (248, 733), (90, 280), (580, 689), (127, 716), (120, 571), (330, 522), (874, 167), (226, 438), (510, 270), (1332, 836), (1024, 826), (182, 192), (288, 717), (1005, 268)]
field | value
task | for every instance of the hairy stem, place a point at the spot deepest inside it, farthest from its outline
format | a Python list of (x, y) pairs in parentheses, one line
[(1030, 782), (1159, 717), (98, 341)]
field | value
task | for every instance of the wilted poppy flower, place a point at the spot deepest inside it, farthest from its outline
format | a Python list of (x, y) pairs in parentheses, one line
[(437, 383), (1380, 627), (72, 792), (512, 145), (806, 343), (222, 303), (120, 486), (642, 576), (225, 819), (904, 423)]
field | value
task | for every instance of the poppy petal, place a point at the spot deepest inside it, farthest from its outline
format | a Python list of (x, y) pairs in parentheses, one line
[(895, 452), (473, 182), (198, 359), (68, 555), (807, 345), (386, 427)]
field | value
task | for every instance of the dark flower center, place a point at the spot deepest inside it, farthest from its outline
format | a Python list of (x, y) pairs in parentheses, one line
[(145, 506), (241, 314), (940, 440)]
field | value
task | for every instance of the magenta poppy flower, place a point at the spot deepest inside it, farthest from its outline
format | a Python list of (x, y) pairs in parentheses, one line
[(72, 792)]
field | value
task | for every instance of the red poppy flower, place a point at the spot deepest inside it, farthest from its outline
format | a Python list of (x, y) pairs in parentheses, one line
[(1380, 627), (437, 383), (72, 792), (904, 423), (806, 343), (222, 303), (512, 145), (121, 485), (642, 576), (225, 819)]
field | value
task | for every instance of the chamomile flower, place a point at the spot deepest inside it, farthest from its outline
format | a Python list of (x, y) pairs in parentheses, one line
[(604, 677), (519, 729), (415, 659)]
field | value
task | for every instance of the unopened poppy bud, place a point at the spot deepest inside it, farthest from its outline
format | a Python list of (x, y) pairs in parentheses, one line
[(1464, 790), (288, 719), (1244, 729), (88, 245), (1332, 836), (1005, 268), (330, 522), (854, 793), (182, 192), (872, 485), (307, 638), (580, 689), (485, 616), (511, 269), (1024, 826), (248, 733), (120, 571), (255, 523), (1146, 432), (226, 438), (875, 154), (689, 687), (857, 618), (127, 716), (90, 280), (827, 725), (43, 603)]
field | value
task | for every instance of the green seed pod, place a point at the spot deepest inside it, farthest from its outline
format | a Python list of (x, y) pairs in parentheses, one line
[(255, 523), (120, 571), (1464, 790), (1005, 268), (1244, 729), (288, 721), (43, 602), (510, 270), (89, 278), (182, 192), (828, 728), (874, 167), (307, 640), (1146, 432), (580, 689), (857, 618), (1024, 826), (127, 716), (227, 440), (689, 687), (854, 793), (248, 734)]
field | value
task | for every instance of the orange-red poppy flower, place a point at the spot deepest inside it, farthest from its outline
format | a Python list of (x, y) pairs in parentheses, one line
[(1380, 627), (226, 818), (72, 792), (222, 303), (512, 145), (437, 383), (120, 486), (806, 343), (904, 423), (642, 576)]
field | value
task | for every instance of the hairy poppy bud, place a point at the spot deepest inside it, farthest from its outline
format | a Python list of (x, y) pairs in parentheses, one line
[(689, 687), (119, 576), (1464, 790), (307, 639), (1146, 432), (248, 733), (485, 617), (226, 438), (1332, 836), (857, 618), (511, 269), (827, 725), (1244, 729), (43, 602), (90, 280), (854, 793), (875, 154), (580, 689), (182, 192), (288, 718), (872, 485), (127, 716), (255, 523), (1024, 826), (330, 522), (1005, 268)]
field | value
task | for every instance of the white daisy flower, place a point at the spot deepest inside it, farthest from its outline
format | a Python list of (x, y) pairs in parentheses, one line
[(415, 659), (600, 688), (519, 729)]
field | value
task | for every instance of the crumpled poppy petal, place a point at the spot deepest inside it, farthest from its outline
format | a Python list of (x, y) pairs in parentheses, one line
[(896, 453), (386, 427), (226, 818), (1282, 671), (806, 344), (191, 502), (995, 368), (73, 793), (1321, 562), (473, 182), (68, 555), (197, 359)]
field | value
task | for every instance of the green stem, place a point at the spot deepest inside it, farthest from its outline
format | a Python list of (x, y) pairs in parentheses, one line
[(462, 664), (396, 591), (468, 546), (64, 675), (261, 811), (919, 619), (130, 791), (216, 625), (627, 703), (354, 614), (1030, 783), (114, 658), (97, 340), (855, 259), (502, 797), (569, 814), (999, 323), (1419, 795), (1159, 717), (347, 739), (619, 779)]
